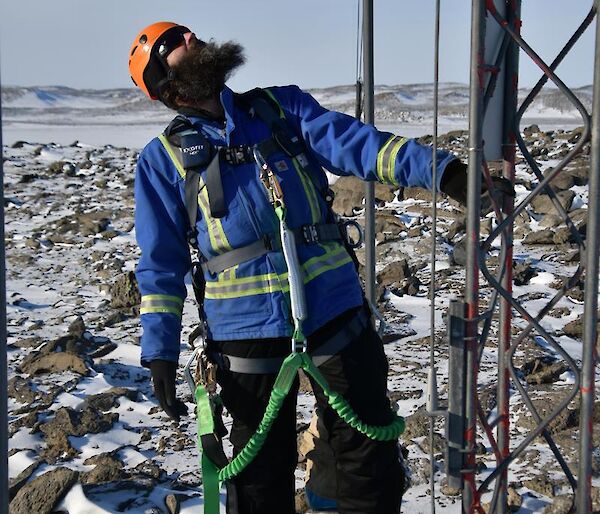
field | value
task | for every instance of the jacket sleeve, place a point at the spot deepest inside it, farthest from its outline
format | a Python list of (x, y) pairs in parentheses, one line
[(345, 146), (161, 226)]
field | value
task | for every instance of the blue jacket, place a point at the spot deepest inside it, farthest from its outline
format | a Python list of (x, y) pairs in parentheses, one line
[(251, 300)]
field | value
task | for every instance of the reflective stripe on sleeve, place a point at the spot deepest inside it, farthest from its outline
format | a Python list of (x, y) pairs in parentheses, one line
[(386, 159), (152, 303)]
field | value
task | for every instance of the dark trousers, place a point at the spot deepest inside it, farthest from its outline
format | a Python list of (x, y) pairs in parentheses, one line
[(369, 475)]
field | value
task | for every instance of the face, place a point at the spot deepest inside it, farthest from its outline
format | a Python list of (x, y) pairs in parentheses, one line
[(201, 69), (189, 40)]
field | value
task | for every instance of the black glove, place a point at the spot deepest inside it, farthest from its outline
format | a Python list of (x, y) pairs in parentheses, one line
[(454, 184), (163, 379)]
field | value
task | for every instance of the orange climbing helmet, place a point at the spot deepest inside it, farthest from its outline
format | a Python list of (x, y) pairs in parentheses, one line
[(148, 56)]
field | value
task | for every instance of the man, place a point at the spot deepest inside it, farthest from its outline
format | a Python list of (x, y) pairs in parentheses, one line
[(246, 306)]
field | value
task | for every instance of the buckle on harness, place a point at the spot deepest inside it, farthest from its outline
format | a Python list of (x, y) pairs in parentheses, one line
[(310, 234), (352, 243)]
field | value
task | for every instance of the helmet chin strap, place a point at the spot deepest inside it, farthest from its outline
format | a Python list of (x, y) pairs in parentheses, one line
[(164, 82)]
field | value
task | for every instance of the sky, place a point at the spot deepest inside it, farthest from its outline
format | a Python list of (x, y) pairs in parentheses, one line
[(312, 43)]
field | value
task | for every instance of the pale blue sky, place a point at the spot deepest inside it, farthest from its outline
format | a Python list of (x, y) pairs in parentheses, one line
[(84, 43)]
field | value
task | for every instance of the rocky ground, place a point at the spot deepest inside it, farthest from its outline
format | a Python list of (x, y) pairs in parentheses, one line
[(85, 432)]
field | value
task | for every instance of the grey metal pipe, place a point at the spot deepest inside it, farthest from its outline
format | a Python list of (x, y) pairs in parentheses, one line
[(590, 317), (3, 348), (478, 13), (369, 114)]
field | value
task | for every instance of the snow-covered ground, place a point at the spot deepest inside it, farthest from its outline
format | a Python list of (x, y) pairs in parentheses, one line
[(70, 234)]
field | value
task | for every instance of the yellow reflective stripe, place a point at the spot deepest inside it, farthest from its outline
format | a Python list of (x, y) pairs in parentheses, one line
[(307, 183), (216, 234), (386, 159), (331, 260), (310, 192), (173, 154), (281, 113), (244, 286), (166, 297), (392, 159), (335, 257)]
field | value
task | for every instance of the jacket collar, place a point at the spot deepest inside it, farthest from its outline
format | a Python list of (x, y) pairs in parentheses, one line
[(203, 116)]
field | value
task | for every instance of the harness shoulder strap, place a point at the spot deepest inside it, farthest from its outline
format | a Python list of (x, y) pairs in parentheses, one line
[(197, 152)]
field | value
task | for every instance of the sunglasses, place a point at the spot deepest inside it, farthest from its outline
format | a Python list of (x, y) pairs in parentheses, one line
[(170, 40)]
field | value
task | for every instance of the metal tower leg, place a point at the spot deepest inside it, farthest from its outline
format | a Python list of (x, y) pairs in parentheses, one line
[(590, 333)]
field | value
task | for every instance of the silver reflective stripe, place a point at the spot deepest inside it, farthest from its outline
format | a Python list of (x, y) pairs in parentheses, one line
[(157, 303)]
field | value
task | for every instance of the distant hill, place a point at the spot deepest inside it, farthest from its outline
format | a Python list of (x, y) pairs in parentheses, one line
[(400, 103)]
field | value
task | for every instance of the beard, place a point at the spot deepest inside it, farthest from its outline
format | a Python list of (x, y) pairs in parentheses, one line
[(203, 70)]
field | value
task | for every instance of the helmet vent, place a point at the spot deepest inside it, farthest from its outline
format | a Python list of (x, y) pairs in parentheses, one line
[(143, 39)]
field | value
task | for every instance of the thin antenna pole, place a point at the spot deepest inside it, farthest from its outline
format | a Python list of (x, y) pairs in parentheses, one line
[(477, 84), (3, 347), (369, 113), (590, 317), (432, 291)]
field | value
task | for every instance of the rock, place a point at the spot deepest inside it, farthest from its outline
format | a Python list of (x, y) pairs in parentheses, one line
[(108, 469), (551, 220), (513, 499), (21, 479), (416, 193), (575, 327), (77, 327), (531, 130), (28, 342), (398, 278), (41, 495), (53, 363), (55, 167), (564, 420), (124, 292), (103, 350), (301, 505), (458, 255), (581, 175), (540, 237), (83, 224), (68, 422), (562, 181), (417, 425), (388, 227), (108, 399), (114, 318), (540, 485), (20, 389), (458, 226), (349, 194), (542, 204), (523, 272), (543, 370), (561, 505)]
